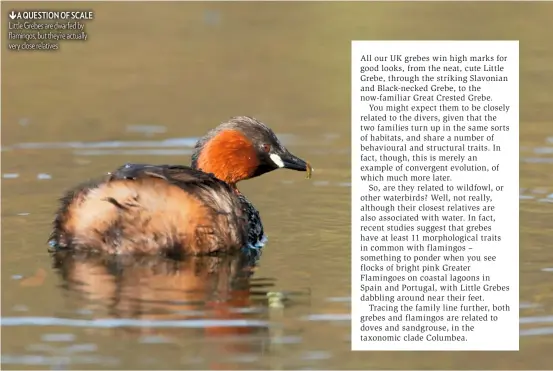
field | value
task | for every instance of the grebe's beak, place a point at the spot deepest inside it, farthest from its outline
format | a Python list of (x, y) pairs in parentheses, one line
[(287, 160)]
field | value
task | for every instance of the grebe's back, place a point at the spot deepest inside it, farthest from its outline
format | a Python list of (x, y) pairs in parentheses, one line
[(153, 209)]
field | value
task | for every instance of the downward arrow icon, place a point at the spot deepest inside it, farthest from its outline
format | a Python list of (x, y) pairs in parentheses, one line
[(12, 15)]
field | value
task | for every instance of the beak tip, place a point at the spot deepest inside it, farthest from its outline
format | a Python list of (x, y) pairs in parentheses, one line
[(309, 170)]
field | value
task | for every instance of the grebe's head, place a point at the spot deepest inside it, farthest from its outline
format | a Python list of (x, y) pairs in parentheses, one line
[(243, 148)]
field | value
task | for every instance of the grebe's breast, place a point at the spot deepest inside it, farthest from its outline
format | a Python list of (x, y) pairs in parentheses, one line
[(256, 235)]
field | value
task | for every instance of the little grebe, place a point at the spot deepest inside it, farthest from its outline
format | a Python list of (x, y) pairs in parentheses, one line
[(173, 209)]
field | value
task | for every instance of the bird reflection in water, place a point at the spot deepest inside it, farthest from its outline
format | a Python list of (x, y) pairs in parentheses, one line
[(197, 288)]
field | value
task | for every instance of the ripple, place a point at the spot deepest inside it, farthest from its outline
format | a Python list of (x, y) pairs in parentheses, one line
[(528, 305), (146, 129), (134, 152), (537, 331), (86, 347), (73, 348), (537, 160), (328, 317), (154, 340), (43, 176), (315, 355), (166, 143), (188, 142), (166, 147), (286, 340), (114, 323), (247, 310), (8, 359), (320, 183), (58, 337), (537, 319), (543, 150), (345, 299)]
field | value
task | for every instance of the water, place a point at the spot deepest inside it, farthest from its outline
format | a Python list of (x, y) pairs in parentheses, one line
[(143, 91)]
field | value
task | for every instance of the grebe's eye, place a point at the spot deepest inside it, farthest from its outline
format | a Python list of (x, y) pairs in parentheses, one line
[(266, 147)]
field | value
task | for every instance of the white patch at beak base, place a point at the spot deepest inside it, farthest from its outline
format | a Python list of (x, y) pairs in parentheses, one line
[(276, 159)]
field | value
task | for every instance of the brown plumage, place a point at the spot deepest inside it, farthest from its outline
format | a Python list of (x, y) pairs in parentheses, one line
[(171, 209), (159, 207)]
